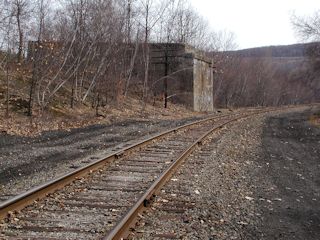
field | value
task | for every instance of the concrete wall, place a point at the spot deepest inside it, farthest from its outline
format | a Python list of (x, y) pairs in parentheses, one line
[(180, 71), (192, 84), (202, 86)]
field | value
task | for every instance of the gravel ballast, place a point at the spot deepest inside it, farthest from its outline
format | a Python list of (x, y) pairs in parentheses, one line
[(26, 162), (234, 187), (257, 178)]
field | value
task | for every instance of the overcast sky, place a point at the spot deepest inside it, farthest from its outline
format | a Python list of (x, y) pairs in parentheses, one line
[(256, 22)]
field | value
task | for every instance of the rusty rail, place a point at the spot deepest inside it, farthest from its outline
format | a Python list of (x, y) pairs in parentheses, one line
[(122, 229), (21, 201)]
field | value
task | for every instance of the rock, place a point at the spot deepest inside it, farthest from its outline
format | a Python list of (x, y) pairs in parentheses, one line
[(249, 198)]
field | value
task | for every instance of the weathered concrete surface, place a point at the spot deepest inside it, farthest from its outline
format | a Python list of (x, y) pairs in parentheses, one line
[(202, 86), (190, 75)]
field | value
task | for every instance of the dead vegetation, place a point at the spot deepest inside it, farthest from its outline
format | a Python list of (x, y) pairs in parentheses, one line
[(80, 61), (64, 118), (315, 119)]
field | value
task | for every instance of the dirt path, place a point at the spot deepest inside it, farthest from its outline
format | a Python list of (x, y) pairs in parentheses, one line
[(290, 177)]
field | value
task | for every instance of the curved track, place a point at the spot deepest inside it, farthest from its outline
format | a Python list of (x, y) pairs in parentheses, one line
[(104, 198)]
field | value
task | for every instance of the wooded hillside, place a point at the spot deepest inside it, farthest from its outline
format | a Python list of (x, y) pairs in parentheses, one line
[(294, 50), (268, 76)]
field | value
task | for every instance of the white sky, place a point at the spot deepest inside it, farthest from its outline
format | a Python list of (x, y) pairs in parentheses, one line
[(256, 22)]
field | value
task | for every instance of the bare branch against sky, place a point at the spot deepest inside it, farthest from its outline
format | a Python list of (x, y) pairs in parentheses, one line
[(256, 23)]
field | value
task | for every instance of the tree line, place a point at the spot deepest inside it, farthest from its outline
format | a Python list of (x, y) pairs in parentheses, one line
[(266, 81), (272, 76), (86, 50)]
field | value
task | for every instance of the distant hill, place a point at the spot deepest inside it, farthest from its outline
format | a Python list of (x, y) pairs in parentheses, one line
[(295, 50), (266, 76)]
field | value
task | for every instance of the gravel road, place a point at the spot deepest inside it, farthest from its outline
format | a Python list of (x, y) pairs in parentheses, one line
[(259, 179), (290, 177)]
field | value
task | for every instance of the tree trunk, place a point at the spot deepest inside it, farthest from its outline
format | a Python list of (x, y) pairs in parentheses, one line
[(72, 94), (165, 82), (20, 47), (97, 105), (147, 57), (35, 75), (8, 92)]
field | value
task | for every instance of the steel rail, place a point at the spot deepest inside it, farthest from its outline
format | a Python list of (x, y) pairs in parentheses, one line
[(27, 198), (22, 200), (122, 229)]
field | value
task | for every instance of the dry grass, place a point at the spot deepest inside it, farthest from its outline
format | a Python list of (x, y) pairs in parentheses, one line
[(315, 119), (64, 118)]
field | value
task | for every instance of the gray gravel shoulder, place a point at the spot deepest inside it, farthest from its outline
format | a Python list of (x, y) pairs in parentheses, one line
[(289, 177), (228, 190), (214, 182)]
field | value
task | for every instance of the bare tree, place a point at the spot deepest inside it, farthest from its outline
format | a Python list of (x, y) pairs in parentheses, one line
[(6, 27), (151, 13), (88, 51), (21, 12), (41, 10), (307, 28)]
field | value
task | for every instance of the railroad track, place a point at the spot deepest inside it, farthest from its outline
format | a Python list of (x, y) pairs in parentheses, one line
[(103, 199)]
